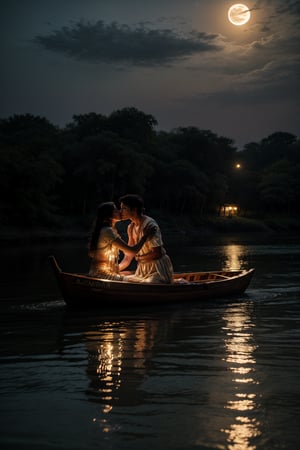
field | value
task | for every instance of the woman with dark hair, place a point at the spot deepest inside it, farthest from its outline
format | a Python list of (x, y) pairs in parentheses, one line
[(105, 243), (153, 263)]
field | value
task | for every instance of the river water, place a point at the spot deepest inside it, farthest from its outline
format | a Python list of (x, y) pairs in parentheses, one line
[(218, 375)]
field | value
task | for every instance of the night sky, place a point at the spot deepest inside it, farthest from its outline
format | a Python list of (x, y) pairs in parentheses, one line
[(180, 60)]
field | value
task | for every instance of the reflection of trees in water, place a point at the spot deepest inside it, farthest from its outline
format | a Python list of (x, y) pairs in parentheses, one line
[(118, 354)]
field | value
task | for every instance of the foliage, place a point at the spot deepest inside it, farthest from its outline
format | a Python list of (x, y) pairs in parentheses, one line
[(47, 172), (29, 170), (277, 187)]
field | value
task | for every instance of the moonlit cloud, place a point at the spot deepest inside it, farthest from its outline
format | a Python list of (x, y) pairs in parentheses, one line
[(113, 42)]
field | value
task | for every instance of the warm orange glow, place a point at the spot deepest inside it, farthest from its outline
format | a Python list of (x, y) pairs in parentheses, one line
[(240, 347), (238, 166), (109, 348), (230, 210)]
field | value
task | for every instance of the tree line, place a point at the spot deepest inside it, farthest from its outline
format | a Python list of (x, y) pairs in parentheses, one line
[(49, 172)]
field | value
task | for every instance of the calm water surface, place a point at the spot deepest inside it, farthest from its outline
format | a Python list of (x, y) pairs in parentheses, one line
[(220, 375)]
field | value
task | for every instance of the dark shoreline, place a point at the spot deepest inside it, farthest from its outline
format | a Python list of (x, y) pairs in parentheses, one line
[(174, 229)]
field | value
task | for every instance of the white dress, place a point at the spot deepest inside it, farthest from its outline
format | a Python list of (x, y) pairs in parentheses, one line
[(158, 270), (105, 259)]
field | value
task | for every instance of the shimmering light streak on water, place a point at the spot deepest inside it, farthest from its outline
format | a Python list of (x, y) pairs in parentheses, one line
[(240, 356)]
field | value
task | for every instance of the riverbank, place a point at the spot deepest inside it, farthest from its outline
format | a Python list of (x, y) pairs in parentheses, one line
[(173, 228)]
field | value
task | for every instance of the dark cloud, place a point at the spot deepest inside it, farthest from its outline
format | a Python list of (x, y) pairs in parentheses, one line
[(110, 43), (272, 84), (289, 6)]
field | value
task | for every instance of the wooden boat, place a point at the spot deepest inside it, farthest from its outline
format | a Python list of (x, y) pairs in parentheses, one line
[(82, 290)]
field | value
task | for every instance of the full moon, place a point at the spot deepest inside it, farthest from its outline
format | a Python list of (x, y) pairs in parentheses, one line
[(238, 14)]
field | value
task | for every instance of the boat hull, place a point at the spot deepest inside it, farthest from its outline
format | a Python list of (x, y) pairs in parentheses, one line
[(84, 291)]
